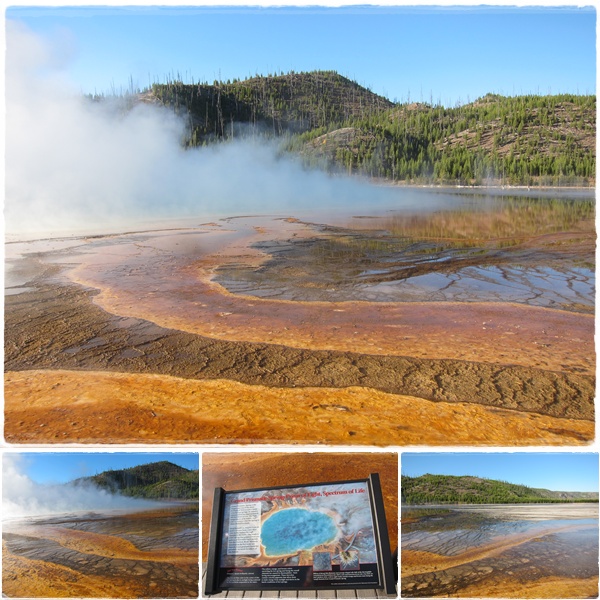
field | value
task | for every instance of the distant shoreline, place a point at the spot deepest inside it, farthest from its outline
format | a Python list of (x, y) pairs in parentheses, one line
[(587, 190), (178, 222)]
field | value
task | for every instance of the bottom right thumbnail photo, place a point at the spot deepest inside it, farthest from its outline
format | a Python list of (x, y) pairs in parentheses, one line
[(499, 525)]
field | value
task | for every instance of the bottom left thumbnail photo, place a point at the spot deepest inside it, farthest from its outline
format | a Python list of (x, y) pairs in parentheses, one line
[(118, 525)]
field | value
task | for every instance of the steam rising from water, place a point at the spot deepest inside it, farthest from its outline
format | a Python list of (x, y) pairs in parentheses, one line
[(22, 497), (76, 164)]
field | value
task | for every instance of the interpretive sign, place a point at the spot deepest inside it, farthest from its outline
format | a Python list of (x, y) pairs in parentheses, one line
[(315, 536)]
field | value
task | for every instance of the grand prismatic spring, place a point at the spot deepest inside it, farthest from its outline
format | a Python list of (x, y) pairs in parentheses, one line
[(500, 551), (460, 317)]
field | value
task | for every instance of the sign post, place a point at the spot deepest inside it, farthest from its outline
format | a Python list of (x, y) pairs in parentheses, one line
[(303, 537)]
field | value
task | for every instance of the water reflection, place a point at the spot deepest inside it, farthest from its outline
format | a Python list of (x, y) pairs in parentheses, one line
[(535, 251), (148, 554), (491, 547)]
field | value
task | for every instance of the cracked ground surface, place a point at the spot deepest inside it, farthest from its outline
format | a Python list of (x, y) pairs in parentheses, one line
[(80, 336), (100, 556), (553, 557), (127, 317)]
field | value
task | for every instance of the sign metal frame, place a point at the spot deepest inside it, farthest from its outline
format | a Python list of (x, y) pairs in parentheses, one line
[(384, 576)]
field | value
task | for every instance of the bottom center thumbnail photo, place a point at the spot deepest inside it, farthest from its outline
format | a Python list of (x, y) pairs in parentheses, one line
[(300, 521)]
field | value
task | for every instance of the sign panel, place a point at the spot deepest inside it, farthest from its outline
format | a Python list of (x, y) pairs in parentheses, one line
[(316, 536)]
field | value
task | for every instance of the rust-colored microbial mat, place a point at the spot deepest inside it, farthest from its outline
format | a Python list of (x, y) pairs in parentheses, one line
[(276, 330), (152, 554), (551, 553), (149, 408)]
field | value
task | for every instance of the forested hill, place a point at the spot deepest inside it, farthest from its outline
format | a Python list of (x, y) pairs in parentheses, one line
[(335, 124), (436, 489), (292, 103), (160, 480)]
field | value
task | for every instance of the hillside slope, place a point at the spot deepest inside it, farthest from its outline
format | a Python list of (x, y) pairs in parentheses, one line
[(292, 103), (334, 123), (434, 489), (527, 140), (160, 480)]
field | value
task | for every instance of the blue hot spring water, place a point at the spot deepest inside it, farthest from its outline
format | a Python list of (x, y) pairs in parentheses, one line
[(293, 529)]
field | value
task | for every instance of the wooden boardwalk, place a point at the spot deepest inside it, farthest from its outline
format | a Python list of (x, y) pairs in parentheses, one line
[(298, 594)]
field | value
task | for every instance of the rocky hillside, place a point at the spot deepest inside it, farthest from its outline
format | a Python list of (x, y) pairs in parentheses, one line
[(334, 123), (526, 140), (434, 489), (160, 480)]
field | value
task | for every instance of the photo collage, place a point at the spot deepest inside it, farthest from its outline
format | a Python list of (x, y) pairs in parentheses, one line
[(299, 301)]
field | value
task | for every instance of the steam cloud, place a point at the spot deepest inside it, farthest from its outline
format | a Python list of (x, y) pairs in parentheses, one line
[(22, 497), (76, 164)]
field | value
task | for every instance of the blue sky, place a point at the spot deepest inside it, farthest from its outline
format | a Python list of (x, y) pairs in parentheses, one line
[(563, 472), (60, 467), (439, 54)]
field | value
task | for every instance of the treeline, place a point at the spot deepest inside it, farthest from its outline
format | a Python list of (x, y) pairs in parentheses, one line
[(448, 489), (274, 105), (527, 140), (336, 124), (160, 480)]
